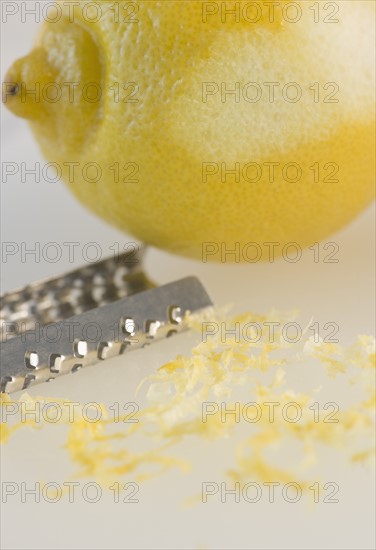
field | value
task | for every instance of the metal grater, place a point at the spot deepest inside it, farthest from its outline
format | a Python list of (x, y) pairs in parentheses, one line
[(60, 325)]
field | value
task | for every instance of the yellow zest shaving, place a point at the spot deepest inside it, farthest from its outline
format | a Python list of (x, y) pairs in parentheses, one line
[(214, 372)]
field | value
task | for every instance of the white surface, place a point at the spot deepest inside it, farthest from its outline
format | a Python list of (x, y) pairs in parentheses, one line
[(341, 292)]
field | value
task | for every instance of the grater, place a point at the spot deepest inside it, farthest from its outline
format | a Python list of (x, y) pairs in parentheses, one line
[(58, 326)]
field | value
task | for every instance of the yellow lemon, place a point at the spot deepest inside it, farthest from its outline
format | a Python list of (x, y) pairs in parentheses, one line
[(194, 124)]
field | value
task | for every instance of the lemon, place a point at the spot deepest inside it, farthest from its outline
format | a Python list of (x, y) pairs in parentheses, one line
[(206, 126)]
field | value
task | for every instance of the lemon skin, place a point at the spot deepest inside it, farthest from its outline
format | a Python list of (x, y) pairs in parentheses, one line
[(170, 155)]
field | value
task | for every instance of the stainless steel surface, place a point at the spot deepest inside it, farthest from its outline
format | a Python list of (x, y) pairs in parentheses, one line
[(55, 299), (53, 327)]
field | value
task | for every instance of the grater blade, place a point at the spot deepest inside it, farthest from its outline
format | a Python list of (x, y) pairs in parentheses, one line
[(44, 352), (72, 293)]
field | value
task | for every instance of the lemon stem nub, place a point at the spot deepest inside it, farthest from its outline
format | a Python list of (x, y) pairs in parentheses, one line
[(9, 89), (21, 89), (14, 89)]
